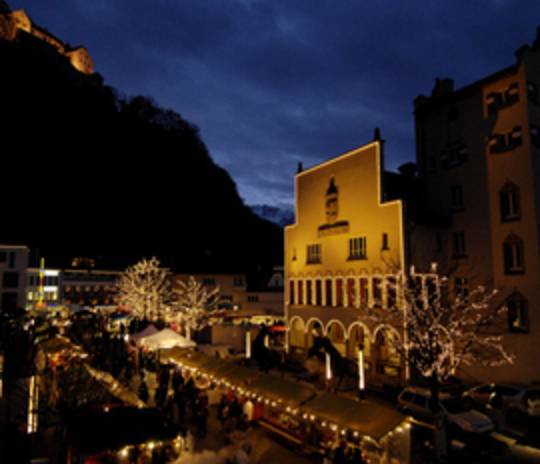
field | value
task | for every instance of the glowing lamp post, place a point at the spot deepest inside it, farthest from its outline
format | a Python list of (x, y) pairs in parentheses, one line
[(248, 344), (328, 369), (361, 374)]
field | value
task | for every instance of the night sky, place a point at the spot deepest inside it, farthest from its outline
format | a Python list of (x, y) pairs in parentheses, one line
[(274, 82)]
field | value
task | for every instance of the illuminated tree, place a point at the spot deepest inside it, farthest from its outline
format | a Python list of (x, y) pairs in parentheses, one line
[(144, 289), (194, 304), (443, 333)]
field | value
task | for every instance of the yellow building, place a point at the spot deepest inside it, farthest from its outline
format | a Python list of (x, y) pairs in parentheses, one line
[(342, 256), (17, 22), (478, 152)]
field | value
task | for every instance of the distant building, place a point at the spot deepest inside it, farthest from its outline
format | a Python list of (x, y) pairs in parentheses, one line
[(89, 287), (13, 269), (43, 287), (478, 155), (255, 293), (15, 23)]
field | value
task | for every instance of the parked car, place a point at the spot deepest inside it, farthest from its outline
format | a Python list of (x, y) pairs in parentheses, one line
[(518, 397), (458, 411)]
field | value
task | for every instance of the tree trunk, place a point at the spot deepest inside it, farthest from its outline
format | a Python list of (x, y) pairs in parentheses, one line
[(439, 418)]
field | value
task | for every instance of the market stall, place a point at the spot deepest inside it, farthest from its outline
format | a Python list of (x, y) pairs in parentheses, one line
[(166, 339), (381, 432)]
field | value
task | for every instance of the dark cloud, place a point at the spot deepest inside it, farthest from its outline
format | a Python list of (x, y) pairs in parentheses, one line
[(271, 83)]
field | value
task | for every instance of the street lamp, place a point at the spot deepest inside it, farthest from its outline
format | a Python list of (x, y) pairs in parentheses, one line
[(361, 374), (248, 344)]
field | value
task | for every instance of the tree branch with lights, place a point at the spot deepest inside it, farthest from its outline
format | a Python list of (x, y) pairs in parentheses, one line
[(145, 289), (194, 304)]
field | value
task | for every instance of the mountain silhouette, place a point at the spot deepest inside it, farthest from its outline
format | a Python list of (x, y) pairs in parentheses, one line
[(86, 172)]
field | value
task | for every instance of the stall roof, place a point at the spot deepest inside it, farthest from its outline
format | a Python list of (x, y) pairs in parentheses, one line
[(281, 389), (217, 367), (366, 417)]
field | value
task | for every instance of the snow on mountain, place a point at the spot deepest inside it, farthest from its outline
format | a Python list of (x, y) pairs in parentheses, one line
[(274, 214)]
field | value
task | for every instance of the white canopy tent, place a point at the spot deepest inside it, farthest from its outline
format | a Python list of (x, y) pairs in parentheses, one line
[(165, 339), (148, 332)]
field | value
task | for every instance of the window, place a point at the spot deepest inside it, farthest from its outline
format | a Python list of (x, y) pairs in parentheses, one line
[(300, 297), (535, 136), (11, 259), (3, 256), (518, 317), (309, 292), (227, 298), (238, 281), (499, 143), (351, 292), (459, 245), (454, 155), (318, 292), (209, 281), (377, 290), (503, 98), (532, 92), (510, 206), (511, 94), (329, 293), (384, 245), (10, 280), (513, 255), (456, 198), (461, 288), (391, 292), (339, 292), (291, 292), (363, 291), (493, 102), (313, 254), (358, 248), (253, 298)]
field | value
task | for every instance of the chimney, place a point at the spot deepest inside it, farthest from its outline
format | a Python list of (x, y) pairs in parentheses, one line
[(299, 168), (443, 87), (377, 134)]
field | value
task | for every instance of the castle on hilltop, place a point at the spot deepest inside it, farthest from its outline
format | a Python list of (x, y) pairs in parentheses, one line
[(15, 24)]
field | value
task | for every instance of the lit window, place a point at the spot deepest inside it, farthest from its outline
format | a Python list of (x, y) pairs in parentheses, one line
[(518, 317), (314, 254), (358, 248), (513, 255), (510, 206), (459, 244)]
